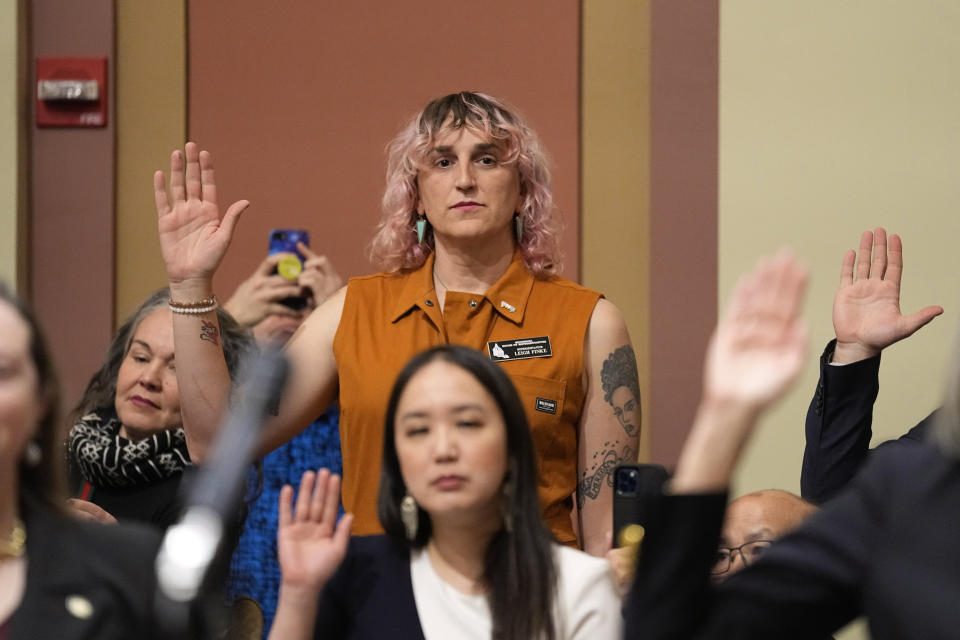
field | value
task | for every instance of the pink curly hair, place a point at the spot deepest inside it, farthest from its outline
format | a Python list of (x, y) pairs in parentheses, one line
[(394, 246)]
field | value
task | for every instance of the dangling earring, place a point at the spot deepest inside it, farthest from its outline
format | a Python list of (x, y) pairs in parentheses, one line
[(33, 454), (410, 516), (518, 225), (421, 228)]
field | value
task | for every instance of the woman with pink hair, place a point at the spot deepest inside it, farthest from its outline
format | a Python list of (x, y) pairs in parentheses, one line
[(468, 244)]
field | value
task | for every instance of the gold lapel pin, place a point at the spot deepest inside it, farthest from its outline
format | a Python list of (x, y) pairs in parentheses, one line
[(79, 607)]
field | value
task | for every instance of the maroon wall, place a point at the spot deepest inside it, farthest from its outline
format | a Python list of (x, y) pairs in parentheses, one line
[(71, 256), (683, 212), (297, 101)]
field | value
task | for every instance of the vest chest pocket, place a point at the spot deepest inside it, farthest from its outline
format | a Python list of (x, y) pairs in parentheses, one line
[(554, 441)]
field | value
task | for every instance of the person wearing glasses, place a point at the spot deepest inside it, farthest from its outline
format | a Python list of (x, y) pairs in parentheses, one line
[(752, 523), (884, 548)]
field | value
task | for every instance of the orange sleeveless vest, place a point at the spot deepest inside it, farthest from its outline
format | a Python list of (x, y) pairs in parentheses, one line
[(533, 328)]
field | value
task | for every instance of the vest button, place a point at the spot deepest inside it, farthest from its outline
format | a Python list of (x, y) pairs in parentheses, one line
[(473, 304), (429, 303)]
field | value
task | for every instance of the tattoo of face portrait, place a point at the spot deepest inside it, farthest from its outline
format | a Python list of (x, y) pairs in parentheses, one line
[(621, 388), (600, 473), (209, 332)]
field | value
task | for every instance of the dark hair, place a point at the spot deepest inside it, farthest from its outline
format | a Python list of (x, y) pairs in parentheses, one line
[(620, 370), (519, 571), (45, 482), (101, 391)]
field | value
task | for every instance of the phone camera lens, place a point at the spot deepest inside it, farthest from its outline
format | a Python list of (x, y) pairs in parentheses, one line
[(627, 482)]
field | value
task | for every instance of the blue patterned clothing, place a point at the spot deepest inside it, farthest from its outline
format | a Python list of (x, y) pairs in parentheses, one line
[(254, 568)]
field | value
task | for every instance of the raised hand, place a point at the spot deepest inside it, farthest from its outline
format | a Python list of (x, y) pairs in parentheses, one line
[(193, 237), (866, 310), (758, 347), (310, 542), (259, 295), (318, 275)]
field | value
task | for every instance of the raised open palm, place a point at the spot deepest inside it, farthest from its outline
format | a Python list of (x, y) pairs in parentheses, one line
[(760, 342), (193, 237), (866, 310), (311, 543)]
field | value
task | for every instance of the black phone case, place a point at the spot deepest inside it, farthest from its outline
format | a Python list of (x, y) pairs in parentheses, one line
[(628, 507)]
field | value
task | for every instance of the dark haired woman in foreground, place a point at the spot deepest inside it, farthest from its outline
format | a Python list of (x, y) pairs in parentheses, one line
[(886, 547), (59, 578), (466, 553)]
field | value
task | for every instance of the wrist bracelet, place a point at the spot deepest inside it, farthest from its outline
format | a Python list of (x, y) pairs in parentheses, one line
[(200, 306)]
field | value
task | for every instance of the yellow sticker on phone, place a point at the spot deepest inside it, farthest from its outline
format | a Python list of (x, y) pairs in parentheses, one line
[(289, 267)]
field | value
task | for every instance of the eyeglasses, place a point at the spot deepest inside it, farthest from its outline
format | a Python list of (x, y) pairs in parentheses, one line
[(749, 553)]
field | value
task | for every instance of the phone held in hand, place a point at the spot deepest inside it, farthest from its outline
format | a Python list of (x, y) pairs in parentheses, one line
[(285, 241), (633, 484)]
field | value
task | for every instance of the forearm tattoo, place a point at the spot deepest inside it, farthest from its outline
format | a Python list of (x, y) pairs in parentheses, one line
[(621, 388), (209, 332), (600, 473)]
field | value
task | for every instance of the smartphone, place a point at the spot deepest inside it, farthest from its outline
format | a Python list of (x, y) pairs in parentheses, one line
[(285, 241), (632, 485)]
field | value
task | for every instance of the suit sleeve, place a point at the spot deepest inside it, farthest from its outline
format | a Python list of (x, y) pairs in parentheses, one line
[(838, 426), (806, 586)]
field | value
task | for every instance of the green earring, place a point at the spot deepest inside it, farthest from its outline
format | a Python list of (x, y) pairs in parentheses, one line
[(421, 228), (518, 223)]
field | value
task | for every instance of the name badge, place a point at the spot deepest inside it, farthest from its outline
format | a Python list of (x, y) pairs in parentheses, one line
[(546, 406), (521, 349)]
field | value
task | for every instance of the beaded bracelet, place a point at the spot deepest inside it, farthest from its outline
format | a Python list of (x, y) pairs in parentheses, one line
[(200, 306)]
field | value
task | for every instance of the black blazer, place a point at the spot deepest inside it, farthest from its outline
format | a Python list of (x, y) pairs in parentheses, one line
[(370, 595), (885, 547), (839, 426), (102, 573)]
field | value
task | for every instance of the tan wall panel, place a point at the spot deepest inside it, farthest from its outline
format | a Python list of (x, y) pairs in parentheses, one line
[(151, 122), (838, 117), (13, 185), (615, 171), (848, 120)]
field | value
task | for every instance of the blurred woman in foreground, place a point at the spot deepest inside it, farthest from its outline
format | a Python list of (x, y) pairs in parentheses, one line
[(466, 553), (60, 578)]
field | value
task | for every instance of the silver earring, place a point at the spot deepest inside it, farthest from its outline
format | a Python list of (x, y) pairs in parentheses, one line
[(33, 454), (410, 516), (421, 228), (518, 224)]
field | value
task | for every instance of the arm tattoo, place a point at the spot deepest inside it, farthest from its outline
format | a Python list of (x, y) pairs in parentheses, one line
[(601, 469), (621, 388), (209, 332)]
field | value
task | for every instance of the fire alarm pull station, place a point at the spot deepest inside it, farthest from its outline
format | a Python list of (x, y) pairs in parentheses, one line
[(71, 92)]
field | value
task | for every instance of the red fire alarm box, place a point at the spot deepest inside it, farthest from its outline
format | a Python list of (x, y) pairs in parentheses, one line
[(71, 92)]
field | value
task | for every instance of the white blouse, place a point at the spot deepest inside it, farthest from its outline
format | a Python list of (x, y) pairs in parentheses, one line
[(587, 605)]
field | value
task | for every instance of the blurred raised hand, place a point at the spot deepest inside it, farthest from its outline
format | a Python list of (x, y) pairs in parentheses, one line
[(866, 309), (311, 543), (756, 352), (193, 236), (759, 345)]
